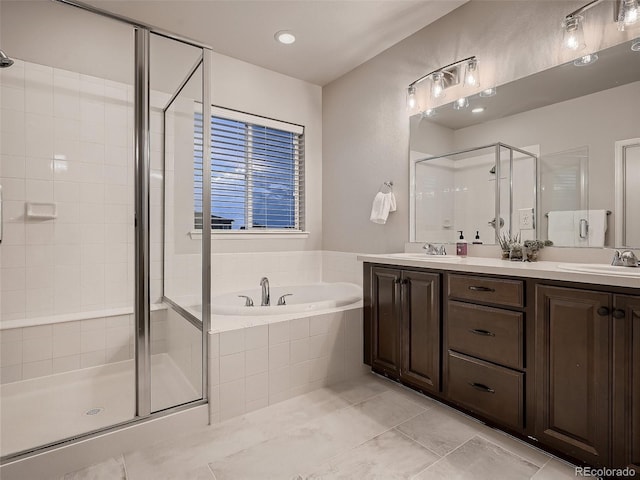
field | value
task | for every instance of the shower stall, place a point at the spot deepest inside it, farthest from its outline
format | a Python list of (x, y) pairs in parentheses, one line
[(97, 178)]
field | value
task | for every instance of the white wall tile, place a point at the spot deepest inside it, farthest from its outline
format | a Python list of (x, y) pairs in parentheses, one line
[(232, 367), (278, 381), (278, 332), (67, 344), (299, 350), (12, 373), (11, 354), (257, 387), (12, 166), (256, 337), (232, 399), (36, 349), (37, 369), (66, 364), (257, 360), (279, 356), (92, 359), (232, 341)]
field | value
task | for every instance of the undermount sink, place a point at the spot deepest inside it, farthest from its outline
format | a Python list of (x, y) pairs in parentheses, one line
[(424, 256), (601, 269)]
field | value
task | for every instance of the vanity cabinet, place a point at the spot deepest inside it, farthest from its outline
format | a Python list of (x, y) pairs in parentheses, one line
[(626, 382), (573, 379), (484, 332), (556, 363), (405, 326)]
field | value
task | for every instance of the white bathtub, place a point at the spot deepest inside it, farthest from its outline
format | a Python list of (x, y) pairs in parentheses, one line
[(303, 298)]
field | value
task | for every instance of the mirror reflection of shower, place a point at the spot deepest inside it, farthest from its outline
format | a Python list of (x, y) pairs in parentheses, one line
[(4, 60)]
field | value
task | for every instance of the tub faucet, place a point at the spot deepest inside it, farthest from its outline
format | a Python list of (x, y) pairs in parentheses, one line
[(266, 298)]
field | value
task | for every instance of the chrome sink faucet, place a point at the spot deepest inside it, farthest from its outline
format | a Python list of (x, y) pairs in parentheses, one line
[(266, 297), (624, 259), (433, 250)]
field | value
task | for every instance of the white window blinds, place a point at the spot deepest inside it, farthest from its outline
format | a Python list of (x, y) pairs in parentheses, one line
[(257, 173)]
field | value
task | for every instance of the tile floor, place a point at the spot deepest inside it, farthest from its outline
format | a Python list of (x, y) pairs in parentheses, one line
[(366, 428)]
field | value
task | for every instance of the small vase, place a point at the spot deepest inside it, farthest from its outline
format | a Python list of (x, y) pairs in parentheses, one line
[(505, 254), (515, 255)]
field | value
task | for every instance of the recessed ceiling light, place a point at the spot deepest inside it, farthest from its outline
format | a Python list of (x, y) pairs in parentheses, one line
[(477, 110), (285, 37)]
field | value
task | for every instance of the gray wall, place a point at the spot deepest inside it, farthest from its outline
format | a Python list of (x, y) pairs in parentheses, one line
[(366, 125)]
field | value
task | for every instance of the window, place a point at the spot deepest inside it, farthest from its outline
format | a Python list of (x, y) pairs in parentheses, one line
[(257, 173)]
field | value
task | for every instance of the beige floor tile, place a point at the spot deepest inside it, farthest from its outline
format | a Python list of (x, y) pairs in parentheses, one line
[(360, 388), (112, 469), (439, 429), (479, 459), (389, 408), (555, 470), (317, 441), (524, 450), (389, 456)]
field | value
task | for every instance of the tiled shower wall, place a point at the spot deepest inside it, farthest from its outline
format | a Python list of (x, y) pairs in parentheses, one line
[(66, 139), (41, 350)]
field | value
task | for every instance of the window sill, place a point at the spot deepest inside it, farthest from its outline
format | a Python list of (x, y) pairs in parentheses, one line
[(244, 235)]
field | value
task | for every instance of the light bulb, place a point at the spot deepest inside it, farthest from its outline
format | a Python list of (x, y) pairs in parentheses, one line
[(628, 14), (429, 112), (573, 34), (411, 98), (461, 103), (437, 87), (471, 74), (489, 92)]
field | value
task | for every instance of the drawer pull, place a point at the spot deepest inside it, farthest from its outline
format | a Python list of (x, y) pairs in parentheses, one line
[(484, 333), (481, 387), (481, 289), (618, 313)]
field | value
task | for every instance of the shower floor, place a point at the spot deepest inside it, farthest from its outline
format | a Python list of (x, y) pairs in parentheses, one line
[(46, 409)]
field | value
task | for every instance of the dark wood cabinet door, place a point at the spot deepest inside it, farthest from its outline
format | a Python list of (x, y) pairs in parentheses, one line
[(626, 382), (573, 399), (386, 320), (421, 330)]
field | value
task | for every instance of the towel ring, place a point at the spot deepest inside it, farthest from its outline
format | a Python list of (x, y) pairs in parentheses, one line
[(386, 187)]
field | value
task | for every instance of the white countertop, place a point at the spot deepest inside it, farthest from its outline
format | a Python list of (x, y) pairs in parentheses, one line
[(495, 266)]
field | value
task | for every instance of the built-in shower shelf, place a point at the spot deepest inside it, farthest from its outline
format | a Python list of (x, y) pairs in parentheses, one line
[(41, 211)]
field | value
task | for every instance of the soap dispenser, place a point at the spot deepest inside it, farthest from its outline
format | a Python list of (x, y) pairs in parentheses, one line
[(461, 245), (477, 241)]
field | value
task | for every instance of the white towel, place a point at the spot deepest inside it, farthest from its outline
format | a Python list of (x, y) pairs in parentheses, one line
[(597, 227), (383, 203), (561, 230)]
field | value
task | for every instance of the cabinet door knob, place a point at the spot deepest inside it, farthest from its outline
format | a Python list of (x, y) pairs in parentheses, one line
[(482, 387), (603, 311), (481, 289), (618, 313), (484, 333)]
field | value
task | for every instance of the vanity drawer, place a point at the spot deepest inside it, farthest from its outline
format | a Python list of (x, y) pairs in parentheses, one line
[(493, 391), (498, 291), (489, 333)]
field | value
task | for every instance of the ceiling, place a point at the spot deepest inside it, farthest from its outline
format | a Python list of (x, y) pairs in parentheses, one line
[(333, 37)]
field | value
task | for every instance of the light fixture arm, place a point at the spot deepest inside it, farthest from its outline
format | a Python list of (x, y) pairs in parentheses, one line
[(446, 67), (583, 9)]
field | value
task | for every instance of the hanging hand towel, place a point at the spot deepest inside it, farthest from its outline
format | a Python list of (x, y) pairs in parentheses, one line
[(380, 208), (392, 202), (560, 228)]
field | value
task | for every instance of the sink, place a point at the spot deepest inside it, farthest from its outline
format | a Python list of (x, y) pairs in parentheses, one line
[(601, 269), (424, 256)]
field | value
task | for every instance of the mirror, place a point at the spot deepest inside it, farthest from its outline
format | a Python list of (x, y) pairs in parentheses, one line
[(581, 121)]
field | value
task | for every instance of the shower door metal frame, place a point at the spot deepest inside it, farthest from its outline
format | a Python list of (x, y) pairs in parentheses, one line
[(142, 33)]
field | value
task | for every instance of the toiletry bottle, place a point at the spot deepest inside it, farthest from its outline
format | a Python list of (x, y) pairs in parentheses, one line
[(461, 245), (477, 240)]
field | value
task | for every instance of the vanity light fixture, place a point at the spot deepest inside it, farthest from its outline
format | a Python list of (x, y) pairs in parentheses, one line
[(586, 60), (411, 97), (450, 75), (461, 103), (471, 73), (628, 13), (573, 35), (488, 92), (285, 37)]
